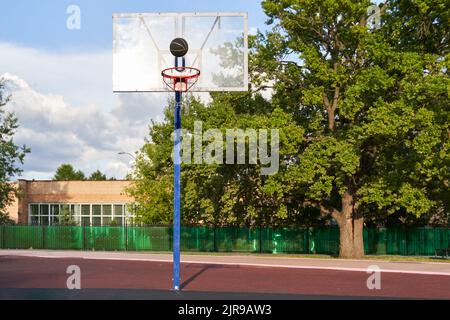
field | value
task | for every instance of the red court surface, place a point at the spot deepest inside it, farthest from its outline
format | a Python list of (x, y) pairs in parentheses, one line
[(27, 272)]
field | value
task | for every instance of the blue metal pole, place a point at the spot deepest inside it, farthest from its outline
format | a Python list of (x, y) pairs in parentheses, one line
[(177, 193)]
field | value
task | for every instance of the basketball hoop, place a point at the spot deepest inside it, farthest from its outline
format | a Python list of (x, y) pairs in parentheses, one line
[(180, 79), (135, 70)]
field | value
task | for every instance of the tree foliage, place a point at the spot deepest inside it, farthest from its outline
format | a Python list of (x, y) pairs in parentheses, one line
[(66, 172), (363, 114), (97, 176), (65, 218), (374, 103), (11, 156), (214, 194)]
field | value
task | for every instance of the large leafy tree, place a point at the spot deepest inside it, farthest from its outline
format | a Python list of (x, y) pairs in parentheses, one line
[(11, 156), (373, 103), (219, 195), (363, 119), (66, 172)]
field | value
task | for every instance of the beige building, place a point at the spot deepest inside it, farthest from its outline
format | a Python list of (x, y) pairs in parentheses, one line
[(93, 203)]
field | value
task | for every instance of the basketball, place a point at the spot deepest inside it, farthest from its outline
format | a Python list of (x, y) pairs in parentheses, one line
[(179, 47)]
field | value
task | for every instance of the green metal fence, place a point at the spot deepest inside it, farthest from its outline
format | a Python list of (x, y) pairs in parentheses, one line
[(23, 237), (325, 240), (284, 240), (237, 240), (69, 238), (149, 238), (402, 241)]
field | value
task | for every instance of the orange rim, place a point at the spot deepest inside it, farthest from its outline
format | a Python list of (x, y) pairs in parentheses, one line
[(171, 80), (178, 69)]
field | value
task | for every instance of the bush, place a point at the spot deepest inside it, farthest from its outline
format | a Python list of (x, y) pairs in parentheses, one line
[(5, 220)]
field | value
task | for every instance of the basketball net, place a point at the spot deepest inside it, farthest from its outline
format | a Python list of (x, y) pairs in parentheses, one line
[(181, 86), (180, 79)]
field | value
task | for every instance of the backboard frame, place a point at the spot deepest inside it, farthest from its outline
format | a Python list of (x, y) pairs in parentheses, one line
[(181, 18)]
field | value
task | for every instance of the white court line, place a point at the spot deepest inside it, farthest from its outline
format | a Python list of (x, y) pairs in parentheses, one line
[(375, 261), (365, 270)]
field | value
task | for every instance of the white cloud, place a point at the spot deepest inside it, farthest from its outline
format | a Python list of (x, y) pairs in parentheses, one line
[(68, 113), (57, 132), (81, 78)]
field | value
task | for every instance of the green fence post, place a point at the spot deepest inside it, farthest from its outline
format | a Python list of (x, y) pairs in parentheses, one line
[(126, 236), (43, 237), (84, 237), (260, 239), (215, 240), (407, 246), (307, 247), (385, 242), (312, 240)]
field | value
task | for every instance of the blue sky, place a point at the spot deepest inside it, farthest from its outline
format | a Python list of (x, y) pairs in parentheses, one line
[(42, 24), (60, 81)]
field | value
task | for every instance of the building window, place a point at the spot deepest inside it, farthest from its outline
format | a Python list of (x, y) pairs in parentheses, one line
[(96, 221), (107, 211), (85, 221), (96, 210), (96, 215), (107, 215), (54, 214), (34, 214), (34, 220), (118, 214), (34, 209), (44, 211), (75, 212), (86, 209), (86, 215), (48, 214)]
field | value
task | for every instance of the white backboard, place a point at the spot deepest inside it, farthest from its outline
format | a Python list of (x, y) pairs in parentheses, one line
[(218, 46)]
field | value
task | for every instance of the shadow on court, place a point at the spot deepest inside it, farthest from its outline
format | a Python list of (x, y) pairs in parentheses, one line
[(203, 270)]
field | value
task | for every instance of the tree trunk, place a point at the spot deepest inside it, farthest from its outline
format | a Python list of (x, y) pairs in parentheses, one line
[(358, 235), (331, 119), (350, 228)]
